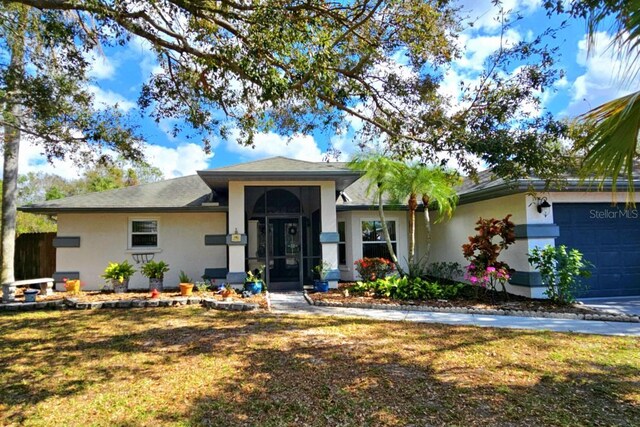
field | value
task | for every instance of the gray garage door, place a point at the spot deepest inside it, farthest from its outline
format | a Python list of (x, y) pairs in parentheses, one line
[(609, 237)]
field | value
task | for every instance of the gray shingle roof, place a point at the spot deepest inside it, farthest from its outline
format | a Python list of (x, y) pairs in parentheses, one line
[(282, 164), (185, 193)]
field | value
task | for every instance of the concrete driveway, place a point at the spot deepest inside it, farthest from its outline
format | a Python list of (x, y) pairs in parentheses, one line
[(621, 305)]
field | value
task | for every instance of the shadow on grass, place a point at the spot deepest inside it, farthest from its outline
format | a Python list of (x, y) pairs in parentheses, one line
[(300, 370)]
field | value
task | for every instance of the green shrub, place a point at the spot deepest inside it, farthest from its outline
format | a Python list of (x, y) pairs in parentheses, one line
[(561, 272), (373, 268), (405, 288), (449, 271)]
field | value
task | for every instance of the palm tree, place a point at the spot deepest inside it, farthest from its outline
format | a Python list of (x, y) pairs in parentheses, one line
[(407, 182), (611, 140), (379, 171), (434, 185)]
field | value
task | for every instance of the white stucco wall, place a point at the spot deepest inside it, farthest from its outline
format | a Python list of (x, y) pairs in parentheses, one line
[(104, 238), (448, 236), (353, 230)]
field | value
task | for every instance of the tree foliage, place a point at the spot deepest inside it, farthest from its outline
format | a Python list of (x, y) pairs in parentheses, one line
[(608, 136), (396, 182), (51, 87), (292, 66)]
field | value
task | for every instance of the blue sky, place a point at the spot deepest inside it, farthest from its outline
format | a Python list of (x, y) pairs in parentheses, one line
[(118, 74)]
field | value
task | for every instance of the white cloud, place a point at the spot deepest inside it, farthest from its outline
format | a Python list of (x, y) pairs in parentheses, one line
[(101, 67), (478, 49), (140, 49), (301, 147), (184, 159), (484, 14), (104, 99), (32, 159), (600, 81)]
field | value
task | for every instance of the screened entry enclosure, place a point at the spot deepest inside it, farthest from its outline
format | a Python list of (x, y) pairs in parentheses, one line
[(283, 233)]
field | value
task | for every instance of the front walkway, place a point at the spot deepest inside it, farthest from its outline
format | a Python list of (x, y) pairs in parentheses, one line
[(619, 305), (294, 303)]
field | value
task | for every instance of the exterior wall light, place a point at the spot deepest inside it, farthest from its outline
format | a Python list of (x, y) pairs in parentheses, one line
[(543, 206)]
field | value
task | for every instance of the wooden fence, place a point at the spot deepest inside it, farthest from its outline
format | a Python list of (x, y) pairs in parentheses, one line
[(35, 256)]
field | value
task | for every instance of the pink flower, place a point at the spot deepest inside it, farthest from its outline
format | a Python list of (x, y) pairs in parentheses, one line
[(491, 269)]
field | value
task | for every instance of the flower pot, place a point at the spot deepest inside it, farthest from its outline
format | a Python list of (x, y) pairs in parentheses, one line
[(30, 295), (120, 287), (186, 289), (226, 293), (155, 283), (72, 286), (253, 287), (321, 285)]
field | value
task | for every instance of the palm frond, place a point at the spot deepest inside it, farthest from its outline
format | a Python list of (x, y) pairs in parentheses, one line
[(612, 141)]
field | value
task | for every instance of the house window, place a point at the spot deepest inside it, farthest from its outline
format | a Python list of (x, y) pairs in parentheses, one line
[(143, 233), (342, 247), (373, 242)]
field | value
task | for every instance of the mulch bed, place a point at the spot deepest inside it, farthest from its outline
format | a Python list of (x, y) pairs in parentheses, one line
[(514, 302), (100, 296)]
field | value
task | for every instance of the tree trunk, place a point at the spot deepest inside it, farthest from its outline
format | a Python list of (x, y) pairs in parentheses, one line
[(413, 206), (12, 115), (427, 226), (385, 231)]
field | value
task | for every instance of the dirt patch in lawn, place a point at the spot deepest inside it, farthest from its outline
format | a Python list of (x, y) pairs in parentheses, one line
[(483, 302)]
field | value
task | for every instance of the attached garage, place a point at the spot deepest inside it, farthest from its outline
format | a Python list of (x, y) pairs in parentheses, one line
[(609, 237)]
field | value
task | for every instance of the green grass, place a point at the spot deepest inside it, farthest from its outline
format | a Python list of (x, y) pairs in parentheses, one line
[(195, 367)]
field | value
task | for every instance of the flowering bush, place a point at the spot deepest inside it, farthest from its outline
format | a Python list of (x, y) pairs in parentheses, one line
[(484, 269), (488, 277), (371, 269)]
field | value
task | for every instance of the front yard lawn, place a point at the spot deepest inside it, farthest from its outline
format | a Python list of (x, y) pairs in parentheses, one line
[(190, 366)]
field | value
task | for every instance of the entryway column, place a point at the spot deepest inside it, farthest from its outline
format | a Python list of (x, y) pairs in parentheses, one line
[(236, 234), (329, 237)]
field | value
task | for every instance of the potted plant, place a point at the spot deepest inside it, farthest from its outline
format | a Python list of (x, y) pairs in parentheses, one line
[(186, 285), (321, 284), (72, 286), (254, 282), (227, 291), (202, 287), (155, 272), (117, 275), (30, 295)]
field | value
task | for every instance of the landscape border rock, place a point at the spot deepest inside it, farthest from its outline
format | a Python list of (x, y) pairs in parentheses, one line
[(74, 304), (607, 317)]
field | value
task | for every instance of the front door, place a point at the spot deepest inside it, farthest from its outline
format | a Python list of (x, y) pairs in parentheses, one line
[(284, 255)]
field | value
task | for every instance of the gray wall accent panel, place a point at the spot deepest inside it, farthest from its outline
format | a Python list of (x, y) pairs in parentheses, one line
[(242, 242), (530, 279), (329, 237), (215, 239), (537, 231), (236, 277), (66, 242), (333, 275), (59, 276), (216, 273)]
